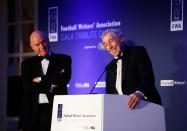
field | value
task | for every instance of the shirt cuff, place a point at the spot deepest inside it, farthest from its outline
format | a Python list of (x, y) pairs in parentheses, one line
[(39, 79), (142, 95)]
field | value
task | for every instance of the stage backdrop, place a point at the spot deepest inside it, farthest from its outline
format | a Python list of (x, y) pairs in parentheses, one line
[(74, 28)]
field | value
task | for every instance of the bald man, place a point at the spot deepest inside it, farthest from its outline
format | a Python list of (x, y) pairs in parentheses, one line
[(43, 76)]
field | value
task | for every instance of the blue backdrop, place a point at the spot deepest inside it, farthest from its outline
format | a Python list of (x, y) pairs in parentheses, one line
[(79, 24)]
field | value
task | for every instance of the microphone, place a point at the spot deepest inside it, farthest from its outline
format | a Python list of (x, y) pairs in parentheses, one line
[(106, 68), (97, 81)]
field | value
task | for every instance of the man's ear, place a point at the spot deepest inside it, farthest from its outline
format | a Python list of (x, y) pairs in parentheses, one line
[(31, 46)]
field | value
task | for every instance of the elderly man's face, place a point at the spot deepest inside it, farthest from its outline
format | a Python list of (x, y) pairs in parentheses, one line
[(112, 43), (39, 44)]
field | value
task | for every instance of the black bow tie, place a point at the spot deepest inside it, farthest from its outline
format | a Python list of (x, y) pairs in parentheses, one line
[(42, 57), (119, 57)]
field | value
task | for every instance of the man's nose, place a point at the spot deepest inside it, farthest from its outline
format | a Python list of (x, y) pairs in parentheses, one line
[(41, 45), (110, 46)]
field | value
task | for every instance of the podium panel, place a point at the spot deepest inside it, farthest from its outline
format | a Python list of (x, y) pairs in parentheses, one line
[(104, 113)]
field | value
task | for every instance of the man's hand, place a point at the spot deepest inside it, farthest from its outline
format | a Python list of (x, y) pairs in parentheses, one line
[(36, 79), (134, 100), (53, 86), (62, 71)]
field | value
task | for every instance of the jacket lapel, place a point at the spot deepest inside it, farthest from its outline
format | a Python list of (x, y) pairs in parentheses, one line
[(124, 65), (112, 76), (38, 66), (51, 64)]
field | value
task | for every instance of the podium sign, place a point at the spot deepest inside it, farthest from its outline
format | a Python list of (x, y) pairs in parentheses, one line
[(104, 113), (77, 113)]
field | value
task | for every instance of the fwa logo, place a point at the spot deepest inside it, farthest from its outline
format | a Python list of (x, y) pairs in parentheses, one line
[(59, 112), (53, 24), (176, 15)]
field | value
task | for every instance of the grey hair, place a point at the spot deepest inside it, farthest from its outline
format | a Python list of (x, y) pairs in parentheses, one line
[(117, 32)]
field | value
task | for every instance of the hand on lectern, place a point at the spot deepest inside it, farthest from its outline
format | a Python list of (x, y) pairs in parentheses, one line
[(134, 100)]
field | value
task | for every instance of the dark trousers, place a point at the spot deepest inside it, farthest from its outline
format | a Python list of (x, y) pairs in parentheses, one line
[(44, 118)]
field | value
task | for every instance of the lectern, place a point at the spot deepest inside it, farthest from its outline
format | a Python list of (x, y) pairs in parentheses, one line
[(102, 112)]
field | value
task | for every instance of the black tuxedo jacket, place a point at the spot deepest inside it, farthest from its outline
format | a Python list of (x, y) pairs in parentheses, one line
[(137, 74), (58, 73)]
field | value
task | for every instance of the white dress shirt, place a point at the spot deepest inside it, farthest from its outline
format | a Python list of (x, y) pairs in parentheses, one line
[(119, 77), (45, 64), (42, 97)]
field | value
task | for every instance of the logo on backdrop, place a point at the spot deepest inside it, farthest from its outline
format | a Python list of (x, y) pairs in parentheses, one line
[(176, 15), (101, 84), (82, 85), (172, 82), (53, 24), (85, 31), (92, 25), (59, 112)]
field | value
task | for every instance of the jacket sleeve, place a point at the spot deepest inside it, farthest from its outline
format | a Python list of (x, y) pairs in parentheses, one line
[(60, 76), (147, 86), (30, 92)]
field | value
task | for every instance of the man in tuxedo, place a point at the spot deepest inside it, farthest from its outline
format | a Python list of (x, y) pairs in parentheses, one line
[(43, 76), (130, 72)]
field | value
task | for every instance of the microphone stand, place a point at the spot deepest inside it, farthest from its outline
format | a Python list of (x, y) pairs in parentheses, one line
[(97, 81), (107, 67)]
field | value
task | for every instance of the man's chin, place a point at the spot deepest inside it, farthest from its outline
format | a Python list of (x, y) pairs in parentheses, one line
[(115, 55), (43, 54)]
